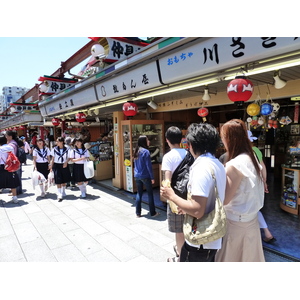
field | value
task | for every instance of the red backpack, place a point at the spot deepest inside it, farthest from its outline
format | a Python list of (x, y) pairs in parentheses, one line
[(12, 163)]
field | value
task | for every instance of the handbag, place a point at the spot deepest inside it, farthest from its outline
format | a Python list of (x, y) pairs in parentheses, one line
[(88, 168), (210, 227)]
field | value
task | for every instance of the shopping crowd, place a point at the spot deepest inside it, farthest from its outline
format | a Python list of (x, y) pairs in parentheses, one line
[(61, 166), (219, 219), (224, 196)]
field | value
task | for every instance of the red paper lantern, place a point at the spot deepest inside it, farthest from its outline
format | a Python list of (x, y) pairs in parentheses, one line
[(80, 117), (202, 112), (55, 121), (130, 109), (22, 127), (239, 89)]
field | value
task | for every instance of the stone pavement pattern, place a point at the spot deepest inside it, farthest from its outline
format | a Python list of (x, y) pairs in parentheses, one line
[(101, 228)]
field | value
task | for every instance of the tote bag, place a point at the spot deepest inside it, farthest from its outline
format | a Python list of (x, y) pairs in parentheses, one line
[(88, 168)]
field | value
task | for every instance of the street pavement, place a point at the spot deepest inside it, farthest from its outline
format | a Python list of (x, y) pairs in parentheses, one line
[(101, 228)]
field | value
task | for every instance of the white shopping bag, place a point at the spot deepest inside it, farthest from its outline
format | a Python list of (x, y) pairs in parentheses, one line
[(88, 168), (37, 178), (51, 179)]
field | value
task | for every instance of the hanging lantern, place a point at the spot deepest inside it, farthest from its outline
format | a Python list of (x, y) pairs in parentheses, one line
[(253, 109), (80, 117), (55, 121), (266, 109), (22, 127), (202, 112), (130, 109), (239, 89)]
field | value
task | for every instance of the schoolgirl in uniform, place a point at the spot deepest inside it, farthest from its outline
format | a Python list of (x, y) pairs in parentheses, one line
[(79, 155), (41, 162), (7, 179), (59, 165)]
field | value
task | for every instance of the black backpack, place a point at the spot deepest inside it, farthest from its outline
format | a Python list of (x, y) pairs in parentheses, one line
[(21, 155), (180, 177)]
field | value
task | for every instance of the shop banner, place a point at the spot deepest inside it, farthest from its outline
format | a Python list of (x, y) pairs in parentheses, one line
[(139, 79), (220, 53)]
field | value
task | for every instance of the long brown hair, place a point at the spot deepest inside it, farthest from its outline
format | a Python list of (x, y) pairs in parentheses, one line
[(235, 137)]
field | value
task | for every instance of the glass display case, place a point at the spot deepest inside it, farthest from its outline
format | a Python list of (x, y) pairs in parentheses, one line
[(131, 130), (290, 190)]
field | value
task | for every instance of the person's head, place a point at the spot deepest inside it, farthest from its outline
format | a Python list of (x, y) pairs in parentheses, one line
[(68, 140), (11, 135), (3, 140), (173, 135), (236, 141), (60, 142), (40, 143), (78, 143), (20, 143), (203, 138), (142, 142)]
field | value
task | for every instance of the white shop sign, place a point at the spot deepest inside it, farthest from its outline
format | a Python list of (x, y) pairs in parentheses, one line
[(220, 53)]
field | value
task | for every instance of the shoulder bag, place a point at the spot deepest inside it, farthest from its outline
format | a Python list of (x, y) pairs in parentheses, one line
[(210, 227)]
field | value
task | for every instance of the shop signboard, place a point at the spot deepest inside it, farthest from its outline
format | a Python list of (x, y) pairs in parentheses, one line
[(136, 80), (22, 118), (220, 53)]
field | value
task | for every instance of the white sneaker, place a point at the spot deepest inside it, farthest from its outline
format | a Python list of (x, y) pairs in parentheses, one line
[(15, 199), (43, 195)]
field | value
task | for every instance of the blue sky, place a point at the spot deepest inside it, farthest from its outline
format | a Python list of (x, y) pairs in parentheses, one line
[(24, 59)]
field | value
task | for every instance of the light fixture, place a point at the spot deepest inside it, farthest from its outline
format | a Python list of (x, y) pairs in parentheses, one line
[(278, 82), (206, 95), (98, 52), (176, 89), (152, 104)]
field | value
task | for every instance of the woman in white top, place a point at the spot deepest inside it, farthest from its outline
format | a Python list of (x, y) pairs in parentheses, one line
[(79, 155), (59, 165), (41, 161), (7, 179), (244, 197)]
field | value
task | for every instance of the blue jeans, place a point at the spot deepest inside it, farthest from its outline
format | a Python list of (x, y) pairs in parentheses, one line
[(138, 201)]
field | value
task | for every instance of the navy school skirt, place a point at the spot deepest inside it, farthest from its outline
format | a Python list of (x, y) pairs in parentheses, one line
[(8, 179), (78, 173), (61, 175)]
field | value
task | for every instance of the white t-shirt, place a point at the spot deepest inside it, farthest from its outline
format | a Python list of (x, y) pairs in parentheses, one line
[(172, 159), (78, 153), (41, 154), (249, 197), (201, 184)]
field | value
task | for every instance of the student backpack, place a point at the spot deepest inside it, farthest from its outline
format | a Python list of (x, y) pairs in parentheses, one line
[(12, 163), (180, 177)]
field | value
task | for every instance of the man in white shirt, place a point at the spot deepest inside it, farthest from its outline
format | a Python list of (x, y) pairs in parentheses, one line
[(170, 162), (203, 140)]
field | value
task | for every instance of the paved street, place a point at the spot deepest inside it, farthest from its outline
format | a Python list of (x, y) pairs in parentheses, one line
[(101, 228)]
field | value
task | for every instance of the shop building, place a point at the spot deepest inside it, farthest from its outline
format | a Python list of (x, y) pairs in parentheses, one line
[(167, 80)]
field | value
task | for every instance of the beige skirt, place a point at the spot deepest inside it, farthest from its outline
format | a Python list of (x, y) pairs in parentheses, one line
[(241, 243)]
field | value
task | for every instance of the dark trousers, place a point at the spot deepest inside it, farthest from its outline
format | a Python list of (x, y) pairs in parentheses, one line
[(19, 188), (140, 182), (193, 254)]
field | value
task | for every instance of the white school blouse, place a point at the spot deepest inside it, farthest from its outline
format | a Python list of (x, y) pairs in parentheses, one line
[(78, 153), (41, 154), (60, 155), (4, 149)]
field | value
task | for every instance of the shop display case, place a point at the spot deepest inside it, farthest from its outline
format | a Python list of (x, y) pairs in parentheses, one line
[(103, 164), (131, 130), (290, 190)]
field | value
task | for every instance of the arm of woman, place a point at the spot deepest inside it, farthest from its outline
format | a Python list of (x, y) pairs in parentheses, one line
[(233, 181), (34, 162)]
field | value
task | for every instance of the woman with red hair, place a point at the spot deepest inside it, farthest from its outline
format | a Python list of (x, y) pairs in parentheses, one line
[(244, 197)]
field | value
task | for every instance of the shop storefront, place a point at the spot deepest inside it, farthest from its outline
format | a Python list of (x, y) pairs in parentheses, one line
[(167, 81)]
